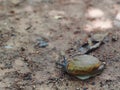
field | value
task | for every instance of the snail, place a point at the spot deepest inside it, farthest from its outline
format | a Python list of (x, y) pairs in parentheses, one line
[(83, 67)]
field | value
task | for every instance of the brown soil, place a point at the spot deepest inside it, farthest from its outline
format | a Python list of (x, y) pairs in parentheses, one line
[(65, 24)]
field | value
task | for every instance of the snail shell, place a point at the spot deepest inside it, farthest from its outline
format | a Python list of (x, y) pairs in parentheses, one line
[(84, 66)]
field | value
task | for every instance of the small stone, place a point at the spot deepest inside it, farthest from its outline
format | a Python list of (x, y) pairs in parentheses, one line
[(16, 2), (114, 38), (57, 14), (42, 43), (21, 66), (19, 62), (77, 89), (94, 13), (8, 47), (99, 37), (58, 17)]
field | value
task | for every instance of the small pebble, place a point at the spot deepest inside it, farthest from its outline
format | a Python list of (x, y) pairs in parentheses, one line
[(77, 89), (42, 43), (114, 38), (16, 2), (8, 47), (19, 62)]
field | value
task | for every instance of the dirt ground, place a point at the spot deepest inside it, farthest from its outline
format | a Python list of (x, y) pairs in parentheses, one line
[(65, 25)]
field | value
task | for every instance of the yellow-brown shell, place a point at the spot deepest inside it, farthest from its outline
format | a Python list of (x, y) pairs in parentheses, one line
[(83, 65)]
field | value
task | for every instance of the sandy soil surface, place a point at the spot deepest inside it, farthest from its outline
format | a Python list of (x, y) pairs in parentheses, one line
[(65, 25)]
